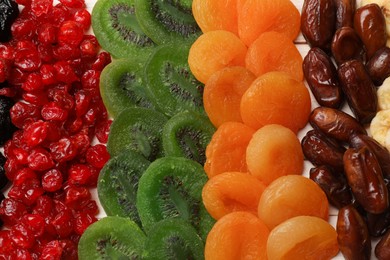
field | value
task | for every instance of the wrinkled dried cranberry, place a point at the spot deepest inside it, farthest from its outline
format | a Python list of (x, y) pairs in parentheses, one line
[(82, 221), (97, 155), (52, 111), (102, 60), (70, 33), (11, 211), (52, 180), (79, 174), (83, 18), (21, 236), (63, 150), (24, 114), (35, 133), (40, 159)]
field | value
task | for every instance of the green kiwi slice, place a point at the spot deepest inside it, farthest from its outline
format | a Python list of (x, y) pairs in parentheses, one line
[(171, 187), (186, 135), (139, 130), (118, 184), (122, 86), (173, 239), (117, 29), (112, 238), (167, 21), (170, 82)]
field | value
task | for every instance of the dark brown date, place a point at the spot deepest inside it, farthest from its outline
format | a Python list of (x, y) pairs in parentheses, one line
[(370, 25), (318, 22), (365, 178), (335, 186), (321, 76), (382, 249), (352, 234), (320, 150), (378, 223), (359, 90), (381, 153), (378, 66), (335, 123), (345, 10), (346, 45)]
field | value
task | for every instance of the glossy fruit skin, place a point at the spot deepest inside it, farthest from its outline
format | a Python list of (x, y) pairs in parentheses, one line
[(346, 45), (378, 66), (344, 12), (9, 11)]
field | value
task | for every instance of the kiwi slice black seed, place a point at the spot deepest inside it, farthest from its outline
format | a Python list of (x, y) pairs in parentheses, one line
[(122, 86), (137, 129), (116, 27), (187, 134), (171, 187), (112, 238), (170, 82), (173, 239), (167, 21), (118, 184)]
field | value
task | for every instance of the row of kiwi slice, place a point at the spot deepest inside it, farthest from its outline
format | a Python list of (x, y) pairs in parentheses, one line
[(151, 187)]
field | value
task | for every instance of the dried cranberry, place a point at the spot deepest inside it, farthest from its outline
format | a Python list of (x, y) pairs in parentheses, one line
[(52, 251), (28, 60), (103, 130), (40, 159), (38, 98), (102, 60), (83, 18), (97, 155), (52, 180), (6, 245), (90, 79), (82, 221), (64, 72), (35, 133), (23, 175), (24, 114), (70, 33), (63, 150), (77, 197), (11, 211), (52, 111), (20, 155), (48, 73), (35, 223), (47, 34), (63, 223), (73, 3), (41, 7), (79, 174)]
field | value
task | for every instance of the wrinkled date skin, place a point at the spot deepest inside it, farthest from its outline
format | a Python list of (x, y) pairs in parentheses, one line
[(345, 10), (370, 25), (378, 66), (335, 123), (335, 186), (359, 90), (320, 150), (382, 249), (364, 176), (352, 234), (318, 22), (346, 45), (381, 153), (321, 76), (378, 223)]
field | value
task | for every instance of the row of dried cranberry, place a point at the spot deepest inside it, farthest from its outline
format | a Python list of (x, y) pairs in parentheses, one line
[(51, 68)]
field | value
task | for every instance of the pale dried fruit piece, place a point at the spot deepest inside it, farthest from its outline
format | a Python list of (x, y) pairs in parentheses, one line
[(384, 95), (380, 126)]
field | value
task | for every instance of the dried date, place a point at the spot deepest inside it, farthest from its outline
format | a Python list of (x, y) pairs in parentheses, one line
[(335, 123), (382, 249), (345, 10), (352, 234), (359, 90), (378, 66), (346, 45), (370, 25), (365, 178), (318, 22), (321, 76)]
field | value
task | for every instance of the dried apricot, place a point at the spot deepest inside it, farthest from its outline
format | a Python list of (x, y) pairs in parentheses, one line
[(256, 17), (276, 98), (274, 151), (226, 151), (222, 94), (238, 235), (273, 51), (213, 51), (290, 196), (213, 15), (303, 237), (232, 191)]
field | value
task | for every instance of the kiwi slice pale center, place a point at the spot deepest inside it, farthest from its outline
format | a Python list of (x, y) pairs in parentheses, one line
[(111, 248), (134, 90), (192, 143), (145, 142)]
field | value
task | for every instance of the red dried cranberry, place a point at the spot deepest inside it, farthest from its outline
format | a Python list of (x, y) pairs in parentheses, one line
[(23, 175), (40, 160), (97, 155), (34, 222), (52, 111), (35, 133), (23, 254), (89, 47), (23, 29), (66, 52), (82, 221), (73, 3), (11, 211), (46, 53), (79, 174), (91, 208), (33, 83), (44, 206), (63, 150), (5, 70), (52, 251), (6, 245), (7, 51), (52, 180), (103, 130), (20, 155), (17, 76), (63, 223), (54, 132), (62, 98), (28, 60), (102, 60), (82, 142), (47, 34), (90, 79), (41, 7), (64, 72), (38, 98), (48, 73), (24, 113), (70, 33), (12, 166), (21, 236), (82, 100), (83, 18), (77, 197)]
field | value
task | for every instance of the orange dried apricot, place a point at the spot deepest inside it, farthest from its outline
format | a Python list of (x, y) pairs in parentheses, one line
[(256, 17), (213, 51), (274, 151), (222, 94), (237, 235), (226, 151), (273, 51), (290, 196), (232, 191), (303, 237), (276, 98), (213, 15)]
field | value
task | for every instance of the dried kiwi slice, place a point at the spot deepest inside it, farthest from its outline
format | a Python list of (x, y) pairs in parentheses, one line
[(173, 239), (116, 27), (186, 135), (170, 82), (122, 86), (137, 129), (112, 238), (118, 184), (167, 21), (171, 187)]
